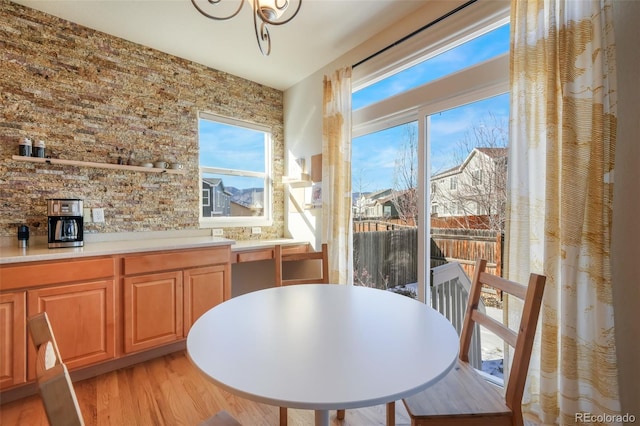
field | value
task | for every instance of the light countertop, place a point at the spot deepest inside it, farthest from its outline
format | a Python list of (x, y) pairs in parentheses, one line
[(39, 252), (112, 244)]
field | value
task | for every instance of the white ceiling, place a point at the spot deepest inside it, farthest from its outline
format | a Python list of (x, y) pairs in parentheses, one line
[(322, 32)]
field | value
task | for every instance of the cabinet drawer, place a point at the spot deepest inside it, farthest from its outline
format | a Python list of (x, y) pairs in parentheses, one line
[(166, 261), (40, 274), (254, 255)]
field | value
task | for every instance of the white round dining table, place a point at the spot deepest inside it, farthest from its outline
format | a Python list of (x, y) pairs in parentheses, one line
[(323, 347)]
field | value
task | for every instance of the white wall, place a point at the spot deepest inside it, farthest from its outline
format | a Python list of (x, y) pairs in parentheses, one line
[(625, 250)]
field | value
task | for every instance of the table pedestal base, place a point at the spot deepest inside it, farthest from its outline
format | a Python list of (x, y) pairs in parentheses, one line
[(322, 417)]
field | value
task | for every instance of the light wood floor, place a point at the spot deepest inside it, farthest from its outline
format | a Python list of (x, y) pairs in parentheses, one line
[(170, 391)]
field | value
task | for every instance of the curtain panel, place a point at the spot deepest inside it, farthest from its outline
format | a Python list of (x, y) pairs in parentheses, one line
[(336, 175), (561, 161)]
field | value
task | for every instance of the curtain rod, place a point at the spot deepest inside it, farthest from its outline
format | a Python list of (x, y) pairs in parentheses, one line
[(419, 30)]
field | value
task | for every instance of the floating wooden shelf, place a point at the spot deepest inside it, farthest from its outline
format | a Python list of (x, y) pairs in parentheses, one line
[(96, 165), (297, 182)]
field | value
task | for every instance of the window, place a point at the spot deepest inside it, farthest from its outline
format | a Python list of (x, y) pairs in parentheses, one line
[(476, 177), (453, 183), (206, 197), (447, 108), (235, 172), (446, 62)]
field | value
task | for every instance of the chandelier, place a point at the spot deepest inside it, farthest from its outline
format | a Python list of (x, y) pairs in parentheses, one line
[(265, 12)]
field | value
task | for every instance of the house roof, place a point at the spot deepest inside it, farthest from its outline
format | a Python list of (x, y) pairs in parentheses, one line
[(493, 153)]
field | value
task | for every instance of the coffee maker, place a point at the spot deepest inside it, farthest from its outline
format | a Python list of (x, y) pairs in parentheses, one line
[(65, 222)]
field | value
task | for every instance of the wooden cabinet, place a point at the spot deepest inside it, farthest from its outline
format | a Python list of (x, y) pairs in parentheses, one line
[(13, 333), (160, 307), (152, 310), (103, 308), (79, 297), (204, 288), (83, 318)]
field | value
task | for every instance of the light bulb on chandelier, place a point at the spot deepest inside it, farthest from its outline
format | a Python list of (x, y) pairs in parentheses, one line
[(265, 12)]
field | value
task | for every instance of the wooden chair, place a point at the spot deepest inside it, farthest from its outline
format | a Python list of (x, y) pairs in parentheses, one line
[(300, 256), (54, 383), (463, 397), (281, 256), (56, 389)]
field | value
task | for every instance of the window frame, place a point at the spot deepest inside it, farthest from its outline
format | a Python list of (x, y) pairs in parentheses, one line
[(481, 81), (266, 219)]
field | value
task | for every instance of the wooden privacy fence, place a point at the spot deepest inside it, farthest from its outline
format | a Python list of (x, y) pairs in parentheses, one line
[(466, 245), (385, 259)]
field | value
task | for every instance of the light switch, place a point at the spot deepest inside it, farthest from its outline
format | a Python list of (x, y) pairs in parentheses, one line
[(86, 215)]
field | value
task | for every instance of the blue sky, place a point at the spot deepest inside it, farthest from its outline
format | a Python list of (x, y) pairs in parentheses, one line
[(232, 147), (374, 155)]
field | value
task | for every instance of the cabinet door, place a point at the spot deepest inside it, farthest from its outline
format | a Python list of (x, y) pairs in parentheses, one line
[(152, 310), (13, 344), (83, 318), (204, 288)]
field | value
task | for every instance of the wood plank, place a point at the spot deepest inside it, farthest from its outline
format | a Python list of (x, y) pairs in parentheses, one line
[(510, 287)]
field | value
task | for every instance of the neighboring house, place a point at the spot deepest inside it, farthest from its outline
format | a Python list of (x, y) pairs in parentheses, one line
[(248, 202), (216, 200), (477, 187), (372, 205)]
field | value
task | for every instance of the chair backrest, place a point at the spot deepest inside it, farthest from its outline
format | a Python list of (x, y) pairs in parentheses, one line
[(281, 256), (521, 341), (54, 383)]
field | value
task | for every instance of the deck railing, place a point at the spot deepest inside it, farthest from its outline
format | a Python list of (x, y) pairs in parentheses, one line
[(449, 295)]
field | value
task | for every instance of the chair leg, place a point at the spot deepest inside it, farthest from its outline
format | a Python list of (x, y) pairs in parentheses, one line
[(283, 416), (391, 413)]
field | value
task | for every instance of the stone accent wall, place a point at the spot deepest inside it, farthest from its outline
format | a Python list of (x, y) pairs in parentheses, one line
[(93, 97)]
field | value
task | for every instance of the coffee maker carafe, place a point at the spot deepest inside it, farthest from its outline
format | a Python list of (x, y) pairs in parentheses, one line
[(65, 222)]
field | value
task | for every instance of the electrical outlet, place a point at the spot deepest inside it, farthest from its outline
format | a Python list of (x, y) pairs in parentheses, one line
[(217, 232), (98, 215), (256, 230)]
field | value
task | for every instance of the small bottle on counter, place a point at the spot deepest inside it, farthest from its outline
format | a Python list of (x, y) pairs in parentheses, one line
[(23, 236), (24, 148), (38, 149)]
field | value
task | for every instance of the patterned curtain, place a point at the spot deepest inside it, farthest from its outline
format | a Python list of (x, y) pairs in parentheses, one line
[(336, 175), (563, 133)]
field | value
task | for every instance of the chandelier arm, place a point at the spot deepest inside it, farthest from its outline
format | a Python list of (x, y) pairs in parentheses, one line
[(262, 35), (216, 17), (269, 21)]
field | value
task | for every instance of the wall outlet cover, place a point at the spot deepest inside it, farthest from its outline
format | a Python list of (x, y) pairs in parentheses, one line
[(98, 215), (256, 230), (217, 232)]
